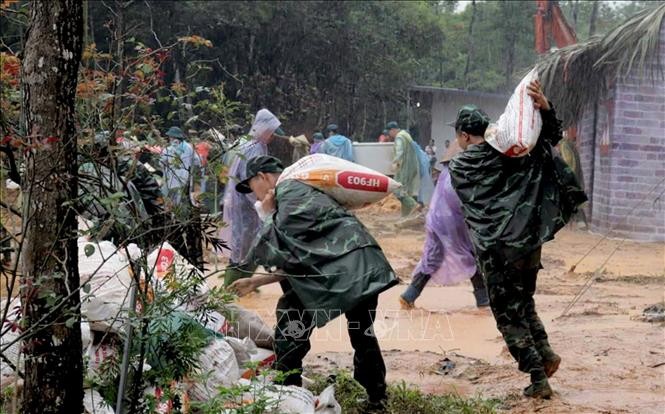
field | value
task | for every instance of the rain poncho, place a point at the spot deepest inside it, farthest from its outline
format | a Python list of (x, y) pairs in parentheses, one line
[(424, 169), (300, 146), (448, 254), (514, 205), (339, 146), (178, 161), (331, 260), (317, 146), (242, 221), (406, 164)]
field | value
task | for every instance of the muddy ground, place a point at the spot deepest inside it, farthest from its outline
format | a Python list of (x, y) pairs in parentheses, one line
[(610, 355)]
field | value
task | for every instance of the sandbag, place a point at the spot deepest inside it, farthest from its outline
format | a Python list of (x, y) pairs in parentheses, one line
[(93, 403), (170, 401), (166, 262), (350, 184), (12, 322), (247, 324), (290, 399), (106, 273), (100, 354), (218, 367), (214, 321), (517, 130), (243, 349)]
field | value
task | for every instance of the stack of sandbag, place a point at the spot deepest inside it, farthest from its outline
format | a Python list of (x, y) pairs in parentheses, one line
[(105, 281), (517, 130), (351, 185), (12, 323)]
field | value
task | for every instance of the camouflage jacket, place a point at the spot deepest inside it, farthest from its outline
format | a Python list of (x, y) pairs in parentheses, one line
[(331, 260), (514, 205)]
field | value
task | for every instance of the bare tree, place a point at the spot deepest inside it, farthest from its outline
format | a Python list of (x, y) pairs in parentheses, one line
[(469, 55), (593, 18), (49, 258)]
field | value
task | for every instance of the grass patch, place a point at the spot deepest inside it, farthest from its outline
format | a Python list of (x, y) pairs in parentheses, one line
[(402, 398)]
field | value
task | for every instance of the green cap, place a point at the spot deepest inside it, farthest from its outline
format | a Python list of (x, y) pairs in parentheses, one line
[(256, 165), (175, 132), (318, 136), (472, 120), (392, 125)]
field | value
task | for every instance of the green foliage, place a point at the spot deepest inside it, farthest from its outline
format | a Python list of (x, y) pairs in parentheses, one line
[(402, 398), (258, 397)]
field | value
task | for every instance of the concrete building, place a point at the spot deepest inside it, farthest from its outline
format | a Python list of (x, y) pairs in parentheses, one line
[(623, 157), (434, 108)]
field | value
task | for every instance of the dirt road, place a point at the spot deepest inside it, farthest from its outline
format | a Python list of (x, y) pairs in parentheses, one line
[(610, 355)]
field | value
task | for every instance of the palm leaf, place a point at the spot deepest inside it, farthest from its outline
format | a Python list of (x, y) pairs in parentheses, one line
[(576, 76)]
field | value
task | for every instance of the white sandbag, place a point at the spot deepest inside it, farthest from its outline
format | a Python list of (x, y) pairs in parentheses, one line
[(104, 300), (261, 358), (13, 322), (247, 324), (326, 403), (243, 350), (517, 130), (350, 184), (164, 404), (218, 367), (291, 399), (98, 355), (214, 321), (166, 261), (93, 403)]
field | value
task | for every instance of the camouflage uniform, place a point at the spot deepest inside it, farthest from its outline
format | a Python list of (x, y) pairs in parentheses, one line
[(334, 266), (512, 206)]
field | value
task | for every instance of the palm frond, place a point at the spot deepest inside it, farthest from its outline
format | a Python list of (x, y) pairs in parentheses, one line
[(576, 76)]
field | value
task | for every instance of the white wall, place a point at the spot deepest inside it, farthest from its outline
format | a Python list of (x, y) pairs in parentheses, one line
[(444, 110)]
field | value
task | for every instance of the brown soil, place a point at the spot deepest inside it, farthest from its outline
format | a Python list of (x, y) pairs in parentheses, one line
[(608, 351)]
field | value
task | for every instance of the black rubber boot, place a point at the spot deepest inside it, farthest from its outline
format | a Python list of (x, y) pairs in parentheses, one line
[(482, 299), (540, 387)]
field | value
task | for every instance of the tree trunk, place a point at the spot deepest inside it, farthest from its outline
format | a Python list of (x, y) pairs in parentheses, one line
[(576, 8), (511, 39), (119, 37), (49, 258), (469, 55), (593, 18)]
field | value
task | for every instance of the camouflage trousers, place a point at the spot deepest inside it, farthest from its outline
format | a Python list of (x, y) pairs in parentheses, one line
[(294, 327), (511, 291)]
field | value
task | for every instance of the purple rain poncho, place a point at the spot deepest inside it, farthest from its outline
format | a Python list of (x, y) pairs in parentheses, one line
[(448, 253), (241, 219)]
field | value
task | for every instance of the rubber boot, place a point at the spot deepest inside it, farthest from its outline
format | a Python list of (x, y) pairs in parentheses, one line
[(408, 205), (551, 360), (540, 387), (482, 299)]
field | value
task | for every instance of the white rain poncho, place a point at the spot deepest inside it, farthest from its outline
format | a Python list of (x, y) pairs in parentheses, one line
[(240, 217)]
